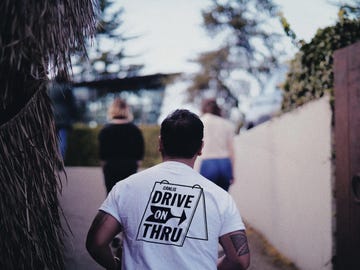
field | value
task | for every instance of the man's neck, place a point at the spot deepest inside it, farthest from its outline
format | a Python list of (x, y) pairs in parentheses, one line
[(188, 161)]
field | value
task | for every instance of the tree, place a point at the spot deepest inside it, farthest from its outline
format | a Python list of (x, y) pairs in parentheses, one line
[(250, 45), (215, 67), (311, 71), (106, 54), (350, 10), (36, 40)]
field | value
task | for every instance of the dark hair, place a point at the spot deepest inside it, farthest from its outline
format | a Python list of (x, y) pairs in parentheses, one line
[(181, 134), (210, 106)]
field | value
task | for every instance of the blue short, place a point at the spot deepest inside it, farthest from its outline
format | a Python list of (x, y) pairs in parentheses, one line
[(217, 170)]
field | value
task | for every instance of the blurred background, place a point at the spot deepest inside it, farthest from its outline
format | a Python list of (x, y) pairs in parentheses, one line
[(285, 72), (162, 55)]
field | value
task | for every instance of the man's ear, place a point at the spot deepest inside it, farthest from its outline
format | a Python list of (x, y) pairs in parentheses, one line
[(200, 150), (161, 146)]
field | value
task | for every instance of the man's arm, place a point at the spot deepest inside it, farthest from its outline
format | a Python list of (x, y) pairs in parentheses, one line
[(237, 254), (102, 231)]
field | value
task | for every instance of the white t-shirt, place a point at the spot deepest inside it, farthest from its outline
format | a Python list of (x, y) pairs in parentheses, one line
[(218, 136), (172, 218)]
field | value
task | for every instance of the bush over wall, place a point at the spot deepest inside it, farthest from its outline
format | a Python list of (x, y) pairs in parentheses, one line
[(311, 71), (83, 146)]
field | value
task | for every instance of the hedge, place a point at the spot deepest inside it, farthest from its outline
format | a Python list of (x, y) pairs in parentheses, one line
[(311, 71), (83, 146)]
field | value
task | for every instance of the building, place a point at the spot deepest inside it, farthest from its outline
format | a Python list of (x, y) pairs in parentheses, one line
[(143, 93)]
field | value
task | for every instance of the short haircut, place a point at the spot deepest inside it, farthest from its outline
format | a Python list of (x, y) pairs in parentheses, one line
[(181, 134)]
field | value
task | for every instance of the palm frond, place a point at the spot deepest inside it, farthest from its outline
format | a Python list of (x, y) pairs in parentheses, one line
[(29, 183), (36, 37), (38, 34)]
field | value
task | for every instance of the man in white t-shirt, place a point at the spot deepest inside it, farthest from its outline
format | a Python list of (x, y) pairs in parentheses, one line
[(171, 216)]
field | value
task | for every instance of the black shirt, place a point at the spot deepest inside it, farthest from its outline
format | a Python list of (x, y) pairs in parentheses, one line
[(121, 142)]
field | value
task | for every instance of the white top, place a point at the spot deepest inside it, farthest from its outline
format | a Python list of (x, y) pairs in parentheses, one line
[(172, 218), (218, 137)]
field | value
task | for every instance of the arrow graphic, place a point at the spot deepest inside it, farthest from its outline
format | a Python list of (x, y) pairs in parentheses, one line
[(163, 214)]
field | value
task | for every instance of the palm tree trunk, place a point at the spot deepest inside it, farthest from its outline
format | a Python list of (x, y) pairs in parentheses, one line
[(36, 37)]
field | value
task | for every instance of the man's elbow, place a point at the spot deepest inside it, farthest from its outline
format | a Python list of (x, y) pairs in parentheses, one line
[(245, 263), (92, 245), (238, 263), (242, 263)]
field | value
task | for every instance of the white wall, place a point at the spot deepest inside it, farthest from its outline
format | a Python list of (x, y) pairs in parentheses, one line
[(283, 183)]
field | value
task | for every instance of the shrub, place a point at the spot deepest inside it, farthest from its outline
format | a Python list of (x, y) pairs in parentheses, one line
[(151, 136), (83, 146), (311, 71)]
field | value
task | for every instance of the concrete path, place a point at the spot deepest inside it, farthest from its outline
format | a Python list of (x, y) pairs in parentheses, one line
[(81, 196)]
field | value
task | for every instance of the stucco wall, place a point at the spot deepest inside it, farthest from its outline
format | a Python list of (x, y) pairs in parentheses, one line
[(283, 183)]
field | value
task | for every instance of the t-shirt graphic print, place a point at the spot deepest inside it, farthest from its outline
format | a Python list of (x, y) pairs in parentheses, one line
[(170, 212)]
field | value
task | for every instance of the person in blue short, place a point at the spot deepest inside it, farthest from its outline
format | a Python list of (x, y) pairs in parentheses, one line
[(217, 155)]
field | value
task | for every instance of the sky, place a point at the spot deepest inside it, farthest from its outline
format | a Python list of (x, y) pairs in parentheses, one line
[(170, 32)]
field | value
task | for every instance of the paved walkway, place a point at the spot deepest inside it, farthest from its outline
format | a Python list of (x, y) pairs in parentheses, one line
[(81, 196)]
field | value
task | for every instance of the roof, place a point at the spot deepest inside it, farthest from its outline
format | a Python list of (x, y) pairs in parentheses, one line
[(136, 83)]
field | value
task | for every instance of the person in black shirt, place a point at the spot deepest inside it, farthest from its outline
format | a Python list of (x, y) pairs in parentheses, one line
[(121, 144)]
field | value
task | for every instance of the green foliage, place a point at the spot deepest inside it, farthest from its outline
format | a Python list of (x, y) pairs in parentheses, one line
[(311, 71), (289, 32), (350, 10), (83, 146), (151, 136)]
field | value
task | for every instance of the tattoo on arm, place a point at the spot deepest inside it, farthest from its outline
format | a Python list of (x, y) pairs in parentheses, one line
[(240, 243)]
